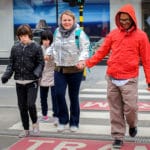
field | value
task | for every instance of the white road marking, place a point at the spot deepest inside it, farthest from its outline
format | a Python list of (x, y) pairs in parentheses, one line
[(101, 115), (105, 90), (142, 97), (84, 129)]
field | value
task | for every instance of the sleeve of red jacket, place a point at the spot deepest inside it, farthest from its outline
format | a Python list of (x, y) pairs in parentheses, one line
[(145, 56), (102, 51)]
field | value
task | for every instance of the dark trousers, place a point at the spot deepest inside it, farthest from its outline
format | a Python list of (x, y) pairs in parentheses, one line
[(27, 95), (44, 104), (54, 102), (73, 81)]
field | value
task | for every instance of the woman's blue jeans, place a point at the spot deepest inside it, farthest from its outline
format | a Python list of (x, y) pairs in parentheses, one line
[(71, 81)]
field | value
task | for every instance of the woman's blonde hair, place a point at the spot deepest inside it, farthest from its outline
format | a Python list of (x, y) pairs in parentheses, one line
[(69, 13)]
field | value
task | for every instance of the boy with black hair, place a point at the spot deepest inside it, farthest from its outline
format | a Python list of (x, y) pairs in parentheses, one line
[(26, 62)]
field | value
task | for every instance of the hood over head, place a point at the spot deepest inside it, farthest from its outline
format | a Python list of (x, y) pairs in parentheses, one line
[(129, 9)]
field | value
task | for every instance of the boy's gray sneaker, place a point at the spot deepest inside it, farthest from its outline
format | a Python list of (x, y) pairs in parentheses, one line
[(35, 131), (24, 133)]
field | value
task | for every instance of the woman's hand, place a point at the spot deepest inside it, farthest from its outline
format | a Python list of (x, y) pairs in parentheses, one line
[(81, 64)]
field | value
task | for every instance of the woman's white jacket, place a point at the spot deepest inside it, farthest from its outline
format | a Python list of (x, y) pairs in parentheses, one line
[(65, 50)]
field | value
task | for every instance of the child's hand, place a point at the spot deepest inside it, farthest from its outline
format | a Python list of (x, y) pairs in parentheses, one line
[(47, 58)]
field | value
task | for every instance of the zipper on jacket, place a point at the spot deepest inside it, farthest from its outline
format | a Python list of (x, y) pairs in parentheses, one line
[(22, 62)]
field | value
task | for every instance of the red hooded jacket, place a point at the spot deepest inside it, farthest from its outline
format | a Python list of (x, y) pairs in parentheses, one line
[(126, 49)]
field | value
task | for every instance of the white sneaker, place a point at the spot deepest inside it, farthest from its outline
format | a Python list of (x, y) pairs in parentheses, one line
[(55, 122), (60, 128), (24, 133), (73, 128), (35, 131)]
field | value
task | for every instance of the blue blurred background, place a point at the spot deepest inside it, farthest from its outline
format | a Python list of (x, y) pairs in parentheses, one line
[(96, 14)]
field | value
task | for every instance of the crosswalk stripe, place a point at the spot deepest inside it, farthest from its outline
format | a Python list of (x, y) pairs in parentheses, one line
[(91, 129), (101, 115), (105, 115), (105, 90), (7, 86), (92, 96), (143, 97), (84, 129)]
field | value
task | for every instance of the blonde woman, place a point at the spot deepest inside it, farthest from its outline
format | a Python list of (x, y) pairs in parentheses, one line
[(66, 55)]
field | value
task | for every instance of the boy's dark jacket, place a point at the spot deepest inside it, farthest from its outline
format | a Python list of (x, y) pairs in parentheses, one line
[(26, 62)]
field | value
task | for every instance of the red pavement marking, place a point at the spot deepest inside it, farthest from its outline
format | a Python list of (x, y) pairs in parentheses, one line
[(101, 105), (38, 143)]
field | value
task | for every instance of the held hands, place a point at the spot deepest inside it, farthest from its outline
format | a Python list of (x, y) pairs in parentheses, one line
[(81, 64), (148, 89)]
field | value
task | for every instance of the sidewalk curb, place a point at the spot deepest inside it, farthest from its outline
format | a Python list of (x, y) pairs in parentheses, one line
[(137, 139)]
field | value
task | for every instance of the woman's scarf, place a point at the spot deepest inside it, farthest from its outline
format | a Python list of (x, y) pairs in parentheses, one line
[(66, 33)]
